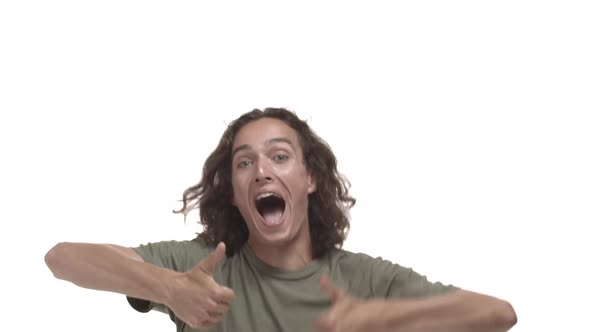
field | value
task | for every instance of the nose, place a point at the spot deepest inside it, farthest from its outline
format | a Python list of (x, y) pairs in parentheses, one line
[(263, 172)]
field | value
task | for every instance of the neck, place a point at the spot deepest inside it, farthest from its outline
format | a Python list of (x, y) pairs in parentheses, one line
[(292, 255)]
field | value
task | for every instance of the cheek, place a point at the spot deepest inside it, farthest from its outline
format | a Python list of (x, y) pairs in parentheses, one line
[(299, 181), (240, 188)]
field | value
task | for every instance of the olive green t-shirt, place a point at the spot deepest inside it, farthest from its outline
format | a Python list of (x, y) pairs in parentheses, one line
[(271, 299)]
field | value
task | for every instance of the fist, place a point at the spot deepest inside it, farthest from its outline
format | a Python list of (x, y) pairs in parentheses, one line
[(348, 313), (196, 298)]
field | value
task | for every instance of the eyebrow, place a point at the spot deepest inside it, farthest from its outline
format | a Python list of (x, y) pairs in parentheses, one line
[(268, 142)]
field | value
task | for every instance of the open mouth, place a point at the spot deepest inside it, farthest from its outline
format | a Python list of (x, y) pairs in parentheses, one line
[(271, 208)]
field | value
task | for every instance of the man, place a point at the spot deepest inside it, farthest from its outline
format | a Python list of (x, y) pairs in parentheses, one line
[(275, 214)]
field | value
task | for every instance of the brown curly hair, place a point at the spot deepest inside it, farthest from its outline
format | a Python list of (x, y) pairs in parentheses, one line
[(328, 206)]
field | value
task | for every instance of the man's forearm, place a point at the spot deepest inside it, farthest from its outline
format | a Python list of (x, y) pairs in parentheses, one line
[(103, 267), (460, 311)]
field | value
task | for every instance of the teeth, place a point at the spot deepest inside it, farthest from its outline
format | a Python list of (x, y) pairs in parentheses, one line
[(264, 195)]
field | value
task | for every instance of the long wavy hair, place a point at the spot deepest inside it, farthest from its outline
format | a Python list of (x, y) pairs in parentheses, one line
[(328, 208)]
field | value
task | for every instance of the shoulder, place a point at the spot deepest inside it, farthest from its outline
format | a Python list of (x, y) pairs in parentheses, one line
[(375, 276), (175, 247), (174, 254), (362, 266)]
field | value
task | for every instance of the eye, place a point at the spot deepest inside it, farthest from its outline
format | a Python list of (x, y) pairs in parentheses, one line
[(281, 157), (244, 163)]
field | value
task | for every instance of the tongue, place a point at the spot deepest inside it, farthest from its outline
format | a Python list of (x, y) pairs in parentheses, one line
[(272, 216)]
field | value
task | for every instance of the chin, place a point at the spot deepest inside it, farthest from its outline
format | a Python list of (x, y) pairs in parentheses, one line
[(279, 235)]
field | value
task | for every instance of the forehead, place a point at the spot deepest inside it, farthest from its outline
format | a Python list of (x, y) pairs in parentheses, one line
[(260, 132)]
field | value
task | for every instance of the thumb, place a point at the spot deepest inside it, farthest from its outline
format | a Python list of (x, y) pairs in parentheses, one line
[(328, 286), (209, 263)]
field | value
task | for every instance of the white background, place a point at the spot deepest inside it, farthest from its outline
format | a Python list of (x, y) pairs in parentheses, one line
[(464, 128)]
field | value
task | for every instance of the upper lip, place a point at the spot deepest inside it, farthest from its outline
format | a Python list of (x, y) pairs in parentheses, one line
[(267, 191)]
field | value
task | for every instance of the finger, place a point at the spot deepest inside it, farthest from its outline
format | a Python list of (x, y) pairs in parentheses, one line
[(221, 307), (210, 262), (333, 292), (215, 316), (207, 324), (196, 318), (224, 295), (328, 321), (217, 308), (337, 313), (322, 324)]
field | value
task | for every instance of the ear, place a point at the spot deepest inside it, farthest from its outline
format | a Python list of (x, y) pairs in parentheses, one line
[(311, 184)]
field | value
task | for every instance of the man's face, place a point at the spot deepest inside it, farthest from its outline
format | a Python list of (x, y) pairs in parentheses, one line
[(270, 182)]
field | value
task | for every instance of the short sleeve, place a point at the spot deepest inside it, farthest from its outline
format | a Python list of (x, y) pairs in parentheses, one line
[(174, 255), (394, 281)]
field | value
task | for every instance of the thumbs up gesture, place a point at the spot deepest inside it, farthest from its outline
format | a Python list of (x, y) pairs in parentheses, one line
[(196, 298), (347, 313)]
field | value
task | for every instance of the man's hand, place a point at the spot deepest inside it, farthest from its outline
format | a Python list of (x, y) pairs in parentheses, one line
[(196, 298), (348, 314)]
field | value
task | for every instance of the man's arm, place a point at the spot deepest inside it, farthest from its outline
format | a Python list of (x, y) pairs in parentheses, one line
[(456, 311), (193, 296), (109, 268)]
